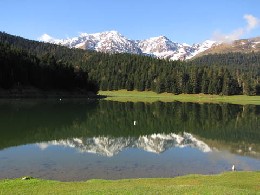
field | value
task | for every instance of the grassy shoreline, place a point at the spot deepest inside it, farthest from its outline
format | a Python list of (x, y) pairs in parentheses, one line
[(225, 183), (149, 96)]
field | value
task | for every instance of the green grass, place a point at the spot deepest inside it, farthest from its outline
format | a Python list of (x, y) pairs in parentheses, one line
[(149, 96), (226, 183)]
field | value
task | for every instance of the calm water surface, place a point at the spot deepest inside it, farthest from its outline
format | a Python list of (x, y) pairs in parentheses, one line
[(78, 140)]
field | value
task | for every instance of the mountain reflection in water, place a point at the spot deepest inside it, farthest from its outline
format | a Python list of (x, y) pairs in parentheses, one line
[(109, 146), (71, 139)]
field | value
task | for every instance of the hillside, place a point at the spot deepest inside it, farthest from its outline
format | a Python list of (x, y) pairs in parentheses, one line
[(25, 75), (224, 74), (242, 46), (40, 49), (231, 60)]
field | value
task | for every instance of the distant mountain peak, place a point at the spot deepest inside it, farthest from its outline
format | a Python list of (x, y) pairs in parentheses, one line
[(47, 38), (161, 37), (114, 42)]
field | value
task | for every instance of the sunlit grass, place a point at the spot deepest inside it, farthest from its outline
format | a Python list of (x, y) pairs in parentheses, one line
[(226, 183), (149, 96)]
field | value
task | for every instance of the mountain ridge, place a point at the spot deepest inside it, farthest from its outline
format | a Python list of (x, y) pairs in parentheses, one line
[(241, 45), (114, 42), (160, 47)]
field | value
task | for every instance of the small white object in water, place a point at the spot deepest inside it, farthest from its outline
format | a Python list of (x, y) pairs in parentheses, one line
[(134, 122), (25, 178), (60, 99), (233, 168)]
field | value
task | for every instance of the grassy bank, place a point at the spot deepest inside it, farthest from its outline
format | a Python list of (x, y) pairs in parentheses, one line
[(226, 183), (149, 96)]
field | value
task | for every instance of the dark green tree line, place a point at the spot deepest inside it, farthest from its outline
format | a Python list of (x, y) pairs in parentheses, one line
[(19, 69), (227, 74)]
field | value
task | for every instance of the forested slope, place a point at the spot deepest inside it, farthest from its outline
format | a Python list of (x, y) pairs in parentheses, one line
[(227, 74), (18, 69)]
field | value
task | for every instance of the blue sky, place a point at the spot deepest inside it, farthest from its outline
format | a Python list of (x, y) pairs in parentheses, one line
[(189, 21)]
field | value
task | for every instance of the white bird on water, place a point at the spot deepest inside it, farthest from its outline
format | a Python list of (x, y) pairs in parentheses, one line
[(233, 168), (134, 122)]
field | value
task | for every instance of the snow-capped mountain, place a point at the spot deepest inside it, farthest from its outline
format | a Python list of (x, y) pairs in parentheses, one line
[(201, 47), (109, 146), (164, 48), (114, 42), (107, 42)]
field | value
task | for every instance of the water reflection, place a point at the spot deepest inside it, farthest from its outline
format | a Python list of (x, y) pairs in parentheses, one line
[(61, 139), (109, 146), (234, 126)]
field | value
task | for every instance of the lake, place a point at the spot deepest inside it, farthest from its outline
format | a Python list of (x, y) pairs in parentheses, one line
[(75, 140)]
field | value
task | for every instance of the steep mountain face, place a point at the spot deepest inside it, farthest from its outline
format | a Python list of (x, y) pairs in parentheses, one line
[(107, 42), (109, 146), (201, 47), (164, 48), (114, 42)]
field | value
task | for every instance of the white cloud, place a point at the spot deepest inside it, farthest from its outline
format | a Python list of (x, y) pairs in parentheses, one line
[(220, 37), (252, 23)]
